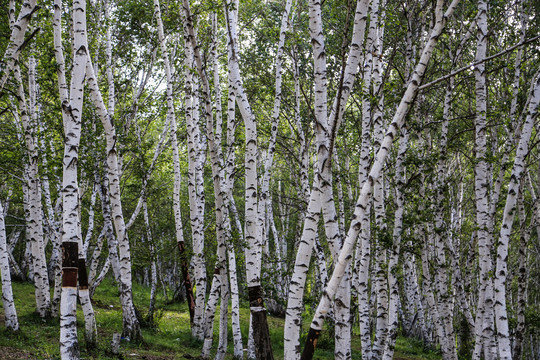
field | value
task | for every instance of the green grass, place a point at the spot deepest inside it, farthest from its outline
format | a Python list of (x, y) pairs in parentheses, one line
[(169, 339)]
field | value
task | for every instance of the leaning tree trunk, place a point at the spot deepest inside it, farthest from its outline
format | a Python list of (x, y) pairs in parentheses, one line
[(346, 252), (131, 326), (522, 279), (16, 40), (501, 315)]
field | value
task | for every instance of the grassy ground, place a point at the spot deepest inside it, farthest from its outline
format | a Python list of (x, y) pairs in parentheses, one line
[(169, 339)]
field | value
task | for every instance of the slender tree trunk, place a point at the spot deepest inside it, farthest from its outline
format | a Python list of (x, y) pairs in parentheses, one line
[(484, 313), (399, 117), (10, 313), (176, 164), (388, 353), (501, 316), (72, 116), (16, 40), (196, 192), (131, 327), (35, 226), (233, 279), (519, 337), (254, 251)]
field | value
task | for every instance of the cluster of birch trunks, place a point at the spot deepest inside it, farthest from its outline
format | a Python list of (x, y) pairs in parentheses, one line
[(392, 189)]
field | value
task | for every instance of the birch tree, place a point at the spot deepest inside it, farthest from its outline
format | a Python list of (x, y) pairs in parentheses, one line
[(72, 104), (12, 321), (176, 161), (399, 117)]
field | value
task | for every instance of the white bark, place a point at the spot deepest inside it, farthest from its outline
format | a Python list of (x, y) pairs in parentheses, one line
[(264, 198), (379, 195), (34, 216), (131, 327), (501, 316), (398, 119), (363, 248), (229, 168), (10, 313), (388, 353), (223, 310), (525, 232), (16, 40), (484, 331), (252, 233), (196, 192), (96, 255), (72, 116), (293, 317), (223, 231), (254, 250), (351, 69), (90, 334), (176, 157), (112, 242)]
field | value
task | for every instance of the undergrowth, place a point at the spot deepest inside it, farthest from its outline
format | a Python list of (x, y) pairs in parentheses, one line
[(166, 336)]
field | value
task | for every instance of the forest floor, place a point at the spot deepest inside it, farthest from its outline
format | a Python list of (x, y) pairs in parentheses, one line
[(170, 337)]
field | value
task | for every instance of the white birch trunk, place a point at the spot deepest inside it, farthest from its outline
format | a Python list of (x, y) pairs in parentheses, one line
[(210, 312), (223, 312), (390, 342), (484, 332), (16, 40), (72, 116), (379, 194), (229, 167), (264, 199), (223, 231), (196, 194), (501, 316), (94, 260), (112, 242), (90, 334), (10, 313), (252, 233), (35, 234), (351, 69), (176, 163), (363, 249), (131, 327), (519, 337), (399, 117)]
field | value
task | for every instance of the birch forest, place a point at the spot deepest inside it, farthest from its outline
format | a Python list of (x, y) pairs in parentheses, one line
[(298, 179)]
